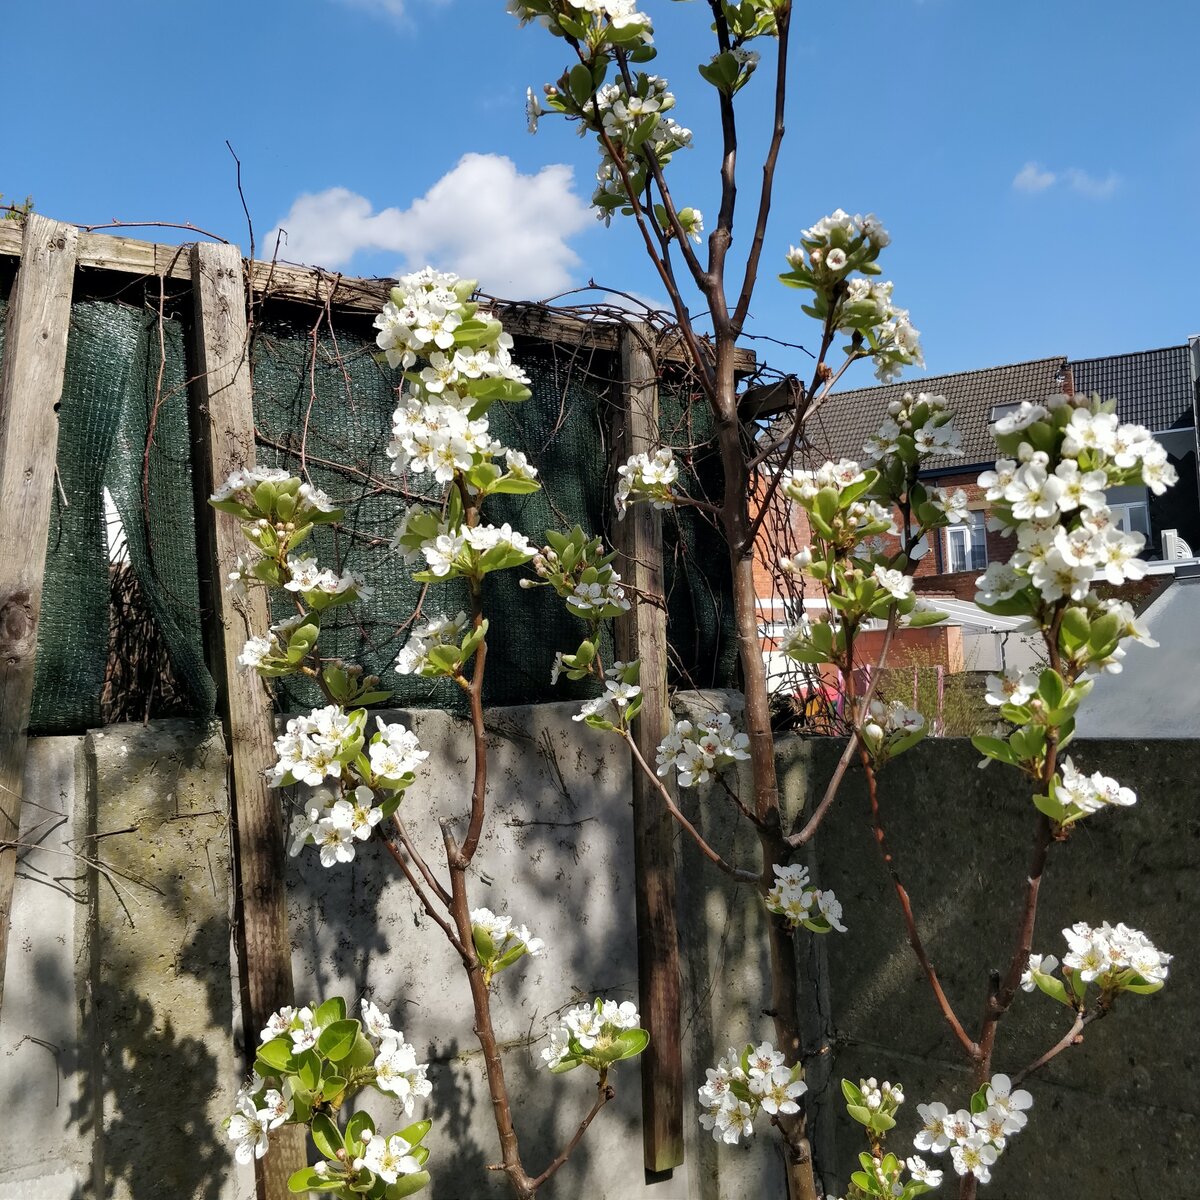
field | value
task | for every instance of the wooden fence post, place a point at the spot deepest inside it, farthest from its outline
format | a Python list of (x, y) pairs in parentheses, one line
[(642, 634), (35, 356), (223, 430)]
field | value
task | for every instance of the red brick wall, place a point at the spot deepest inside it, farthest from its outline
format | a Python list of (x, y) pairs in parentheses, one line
[(962, 586), (935, 645), (785, 531)]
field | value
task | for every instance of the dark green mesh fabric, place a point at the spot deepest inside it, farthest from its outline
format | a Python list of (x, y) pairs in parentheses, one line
[(112, 394), (329, 416), (700, 628)]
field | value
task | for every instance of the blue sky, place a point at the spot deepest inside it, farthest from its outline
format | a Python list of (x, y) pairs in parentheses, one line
[(1038, 164)]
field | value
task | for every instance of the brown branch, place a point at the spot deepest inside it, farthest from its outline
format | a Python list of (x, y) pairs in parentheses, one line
[(737, 873), (245, 208), (718, 245), (738, 803), (604, 1093), (703, 279), (644, 223), (914, 937), (782, 22), (808, 832), (1001, 995), (426, 903), (216, 237), (422, 866), (510, 1150), (1072, 1037), (805, 407), (478, 734)]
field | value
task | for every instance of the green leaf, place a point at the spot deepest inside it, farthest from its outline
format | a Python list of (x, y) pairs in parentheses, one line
[(631, 1043), (484, 946), (1143, 989), (307, 1180), (334, 1009), (445, 658), (362, 1054), (277, 1054), (1053, 987), (510, 485), (337, 1040), (925, 616), (1054, 809), (1052, 687), (1075, 628), (994, 748), (499, 389), (407, 1185), (506, 960), (358, 1124), (827, 504), (852, 1092), (859, 1113), (580, 81), (416, 1132), (308, 1068), (326, 1136), (567, 1064)]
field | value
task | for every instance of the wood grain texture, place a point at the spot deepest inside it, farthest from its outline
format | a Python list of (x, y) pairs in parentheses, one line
[(35, 355), (223, 429), (642, 634), (313, 286)]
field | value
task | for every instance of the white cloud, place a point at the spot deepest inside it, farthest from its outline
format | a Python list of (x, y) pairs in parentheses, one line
[(1034, 178), (1089, 185), (483, 219), (392, 10)]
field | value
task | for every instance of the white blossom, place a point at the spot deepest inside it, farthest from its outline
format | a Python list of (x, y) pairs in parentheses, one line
[(397, 1071), (248, 1128)]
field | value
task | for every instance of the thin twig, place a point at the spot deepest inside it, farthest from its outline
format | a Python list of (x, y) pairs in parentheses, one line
[(712, 855), (422, 866), (782, 22), (1070, 1038), (604, 1093), (216, 237), (427, 904), (914, 937), (807, 833)]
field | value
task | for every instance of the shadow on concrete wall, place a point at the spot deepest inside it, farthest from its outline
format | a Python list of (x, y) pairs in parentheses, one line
[(1116, 1116), (145, 1105)]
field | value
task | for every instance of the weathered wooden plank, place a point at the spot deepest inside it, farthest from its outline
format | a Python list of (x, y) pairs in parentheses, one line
[(770, 399), (310, 285), (642, 634), (35, 355), (223, 426), (12, 234)]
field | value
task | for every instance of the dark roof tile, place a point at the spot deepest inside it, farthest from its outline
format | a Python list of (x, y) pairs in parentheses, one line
[(841, 425), (1152, 387)]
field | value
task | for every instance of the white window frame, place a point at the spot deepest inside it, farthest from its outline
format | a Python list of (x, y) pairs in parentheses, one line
[(975, 533), (1122, 515)]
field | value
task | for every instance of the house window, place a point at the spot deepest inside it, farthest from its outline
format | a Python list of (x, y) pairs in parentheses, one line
[(966, 545), (1131, 518)]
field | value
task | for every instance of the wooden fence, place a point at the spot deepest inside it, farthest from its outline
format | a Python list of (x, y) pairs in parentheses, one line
[(225, 288)]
